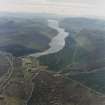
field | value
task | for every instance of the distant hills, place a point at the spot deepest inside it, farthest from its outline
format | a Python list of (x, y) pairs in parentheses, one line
[(31, 34)]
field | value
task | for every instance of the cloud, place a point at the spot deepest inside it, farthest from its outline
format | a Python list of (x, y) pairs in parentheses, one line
[(21, 1), (62, 7)]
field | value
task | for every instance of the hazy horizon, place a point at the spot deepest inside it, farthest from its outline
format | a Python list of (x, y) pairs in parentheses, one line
[(91, 8)]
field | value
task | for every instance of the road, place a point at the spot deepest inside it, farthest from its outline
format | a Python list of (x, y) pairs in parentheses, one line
[(5, 79)]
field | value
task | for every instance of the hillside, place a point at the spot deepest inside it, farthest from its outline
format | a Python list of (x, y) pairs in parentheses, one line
[(88, 32), (83, 57), (24, 35), (55, 89), (37, 86)]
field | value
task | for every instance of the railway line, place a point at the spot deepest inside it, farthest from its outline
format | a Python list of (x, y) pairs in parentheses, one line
[(7, 76)]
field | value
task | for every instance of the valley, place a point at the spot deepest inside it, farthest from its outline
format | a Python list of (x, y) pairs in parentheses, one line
[(83, 57), (52, 61)]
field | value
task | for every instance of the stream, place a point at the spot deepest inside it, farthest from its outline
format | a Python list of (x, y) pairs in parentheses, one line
[(57, 43)]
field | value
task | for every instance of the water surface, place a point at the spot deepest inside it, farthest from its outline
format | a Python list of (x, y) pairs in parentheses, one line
[(57, 43)]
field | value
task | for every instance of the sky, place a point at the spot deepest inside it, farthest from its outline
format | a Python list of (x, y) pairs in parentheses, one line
[(92, 8)]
